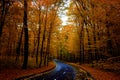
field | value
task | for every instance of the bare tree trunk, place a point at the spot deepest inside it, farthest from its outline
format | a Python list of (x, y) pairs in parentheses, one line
[(94, 38), (43, 40), (19, 46), (35, 43), (4, 11), (48, 42), (26, 36), (109, 41), (38, 37), (2, 19), (89, 47)]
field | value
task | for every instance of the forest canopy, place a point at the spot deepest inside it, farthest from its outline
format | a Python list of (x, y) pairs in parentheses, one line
[(33, 30)]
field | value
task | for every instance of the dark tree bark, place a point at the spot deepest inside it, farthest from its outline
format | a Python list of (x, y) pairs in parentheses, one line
[(2, 18), (43, 40), (48, 41), (95, 43), (19, 46), (26, 36), (109, 41), (39, 32), (5, 4), (89, 47)]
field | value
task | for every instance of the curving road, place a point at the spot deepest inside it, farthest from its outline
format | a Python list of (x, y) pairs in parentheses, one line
[(61, 72)]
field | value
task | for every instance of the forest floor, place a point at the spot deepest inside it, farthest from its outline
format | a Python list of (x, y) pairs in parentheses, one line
[(98, 73), (12, 74)]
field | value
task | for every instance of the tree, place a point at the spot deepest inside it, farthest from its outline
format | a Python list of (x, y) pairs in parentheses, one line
[(5, 4), (25, 36)]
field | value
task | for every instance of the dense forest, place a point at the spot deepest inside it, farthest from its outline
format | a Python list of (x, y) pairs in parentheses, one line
[(32, 33)]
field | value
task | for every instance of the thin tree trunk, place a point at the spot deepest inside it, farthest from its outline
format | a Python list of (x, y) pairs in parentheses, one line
[(48, 42), (109, 41), (19, 46), (2, 17), (82, 37), (26, 36), (49, 36), (43, 40), (89, 46), (4, 11), (94, 38), (79, 32), (38, 38)]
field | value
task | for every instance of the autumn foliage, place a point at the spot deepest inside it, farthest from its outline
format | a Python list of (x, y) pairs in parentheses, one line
[(33, 29)]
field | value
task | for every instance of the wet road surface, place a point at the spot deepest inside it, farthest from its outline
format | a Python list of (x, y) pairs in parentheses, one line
[(61, 72)]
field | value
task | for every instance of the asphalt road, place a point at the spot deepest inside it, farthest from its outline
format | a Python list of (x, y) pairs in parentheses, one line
[(61, 72)]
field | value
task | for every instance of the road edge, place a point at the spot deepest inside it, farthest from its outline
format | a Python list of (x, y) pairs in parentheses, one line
[(87, 74), (36, 74)]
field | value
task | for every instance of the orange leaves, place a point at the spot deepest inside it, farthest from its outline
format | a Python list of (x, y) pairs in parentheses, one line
[(46, 2)]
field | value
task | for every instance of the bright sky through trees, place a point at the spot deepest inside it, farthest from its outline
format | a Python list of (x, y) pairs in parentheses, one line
[(64, 18), (63, 14)]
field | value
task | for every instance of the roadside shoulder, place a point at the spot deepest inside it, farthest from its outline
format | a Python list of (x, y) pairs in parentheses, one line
[(99, 74), (11, 74)]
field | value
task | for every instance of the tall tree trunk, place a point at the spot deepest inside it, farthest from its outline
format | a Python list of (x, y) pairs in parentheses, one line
[(83, 50), (89, 47), (48, 42), (43, 40), (19, 46), (4, 11), (109, 41), (26, 36), (49, 36), (2, 17), (38, 37), (94, 38)]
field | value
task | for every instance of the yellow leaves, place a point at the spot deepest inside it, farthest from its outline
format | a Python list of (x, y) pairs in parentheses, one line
[(69, 38)]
